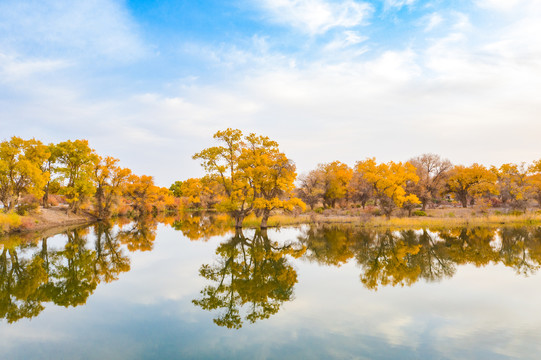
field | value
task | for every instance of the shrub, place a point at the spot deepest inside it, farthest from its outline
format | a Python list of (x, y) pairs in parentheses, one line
[(376, 212), (451, 214), (9, 221), (319, 210), (419, 213)]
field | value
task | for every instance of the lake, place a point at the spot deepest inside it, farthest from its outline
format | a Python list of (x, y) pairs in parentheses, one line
[(191, 288)]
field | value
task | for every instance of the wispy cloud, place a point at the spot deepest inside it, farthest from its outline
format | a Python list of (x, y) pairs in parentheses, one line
[(345, 39), (92, 28), (433, 21), (398, 3), (462, 83), (318, 16)]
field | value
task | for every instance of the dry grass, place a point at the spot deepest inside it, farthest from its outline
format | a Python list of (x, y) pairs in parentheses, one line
[(253, 221), (421, 222), (9, 222), (442, 218)]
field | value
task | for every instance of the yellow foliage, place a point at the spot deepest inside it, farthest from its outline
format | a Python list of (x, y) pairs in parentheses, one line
[(389, 182), (471, 182)]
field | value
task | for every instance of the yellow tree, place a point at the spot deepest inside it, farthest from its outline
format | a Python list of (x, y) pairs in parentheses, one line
[(197, 192), (389, 182), (359, 189), (311, 189), (20, 169), (336, 177), (513, 184), (76, 165), (49, 166), (110, 180), (535, 180), (223, 164), (271, 174), (142, 192), (468, 183)]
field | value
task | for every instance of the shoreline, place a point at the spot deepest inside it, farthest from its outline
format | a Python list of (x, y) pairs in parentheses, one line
[(465, 218), (48, 221), (55, 220)]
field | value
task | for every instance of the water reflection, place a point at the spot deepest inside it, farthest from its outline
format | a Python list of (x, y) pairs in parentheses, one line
[(252, 275), (251, 279), (404, 257), (32, 273)]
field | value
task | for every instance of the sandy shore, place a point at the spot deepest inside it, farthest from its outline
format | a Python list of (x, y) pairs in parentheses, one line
[(54, 217)]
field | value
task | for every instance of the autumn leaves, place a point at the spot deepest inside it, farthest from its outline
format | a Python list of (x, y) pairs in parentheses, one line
[(249, 174), (78, 175), (253, 174)]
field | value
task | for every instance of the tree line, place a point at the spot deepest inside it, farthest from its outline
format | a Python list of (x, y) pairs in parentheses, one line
[(32, 172), (248, 173)]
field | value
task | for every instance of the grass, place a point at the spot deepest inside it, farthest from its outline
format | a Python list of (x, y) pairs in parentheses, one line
[(252, 221), (419, 222), (441, 220), (9, 222)]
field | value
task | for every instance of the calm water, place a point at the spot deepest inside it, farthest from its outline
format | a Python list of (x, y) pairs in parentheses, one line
[(190, 289)]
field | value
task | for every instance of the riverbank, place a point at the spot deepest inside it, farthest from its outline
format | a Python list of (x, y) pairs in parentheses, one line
[(433, 218), (42, 220)]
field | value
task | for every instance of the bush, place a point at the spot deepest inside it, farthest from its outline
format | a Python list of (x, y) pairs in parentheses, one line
[(419, 213), (319, 210), (26, 208), (515, 213), (451, 214), (9, 221), (376, 212)]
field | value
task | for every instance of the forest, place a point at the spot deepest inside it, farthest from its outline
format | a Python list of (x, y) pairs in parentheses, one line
[(248, 175)]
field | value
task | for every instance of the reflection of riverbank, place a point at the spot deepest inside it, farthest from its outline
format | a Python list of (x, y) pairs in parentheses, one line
[(404, 257), (33, 273)]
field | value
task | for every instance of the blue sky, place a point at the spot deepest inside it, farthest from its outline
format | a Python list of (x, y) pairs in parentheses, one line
[(149, 82)]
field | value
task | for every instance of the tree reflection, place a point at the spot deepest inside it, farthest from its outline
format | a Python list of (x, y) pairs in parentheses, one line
[(202, 226), (251, 279), (405, 257), (140, 234), (21, 280), (32, 273)]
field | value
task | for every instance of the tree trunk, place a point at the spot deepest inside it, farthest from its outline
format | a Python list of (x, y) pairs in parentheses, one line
[(238, 221), (265, 219), (46, 197)]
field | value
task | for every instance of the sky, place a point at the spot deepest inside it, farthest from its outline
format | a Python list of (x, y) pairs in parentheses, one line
[(149, 82)]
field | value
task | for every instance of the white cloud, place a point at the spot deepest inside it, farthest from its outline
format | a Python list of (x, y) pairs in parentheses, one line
[(500, 5), (398, 3), (470, 84), (434, 20), (345, 39), (318, 16), (95, 28)]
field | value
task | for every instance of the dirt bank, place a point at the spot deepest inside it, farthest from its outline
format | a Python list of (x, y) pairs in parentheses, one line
[(54, 217)]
